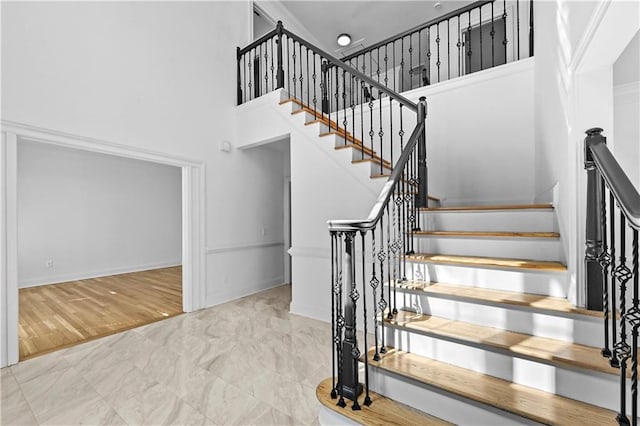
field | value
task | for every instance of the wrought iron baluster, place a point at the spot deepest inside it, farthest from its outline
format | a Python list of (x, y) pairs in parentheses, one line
[(438, 49), (634, 321), (504, 24), (244, 73), (395, 247), (420, 57), (378, 65), (612, 223), (371, 132), (410, 61), (480, 31), (493, 36), (468, 42), (448, 50), (288, 68), (306, 55), (386, 67), (301, 71), (315, 98), (622, 349), (367, 398), (336, 96), (459, 45), (250, 86), (518, 27), (382, 304), (374, 282), (402, 64), (362, 124), (344, 108), (394, 66), (381, 132), (273, 86), (605, 260), (391, 311), (295, 72), (390, 131), (429, 54), (531, 29)]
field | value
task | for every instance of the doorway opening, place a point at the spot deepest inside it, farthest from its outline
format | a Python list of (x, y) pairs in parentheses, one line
[(99, 245)]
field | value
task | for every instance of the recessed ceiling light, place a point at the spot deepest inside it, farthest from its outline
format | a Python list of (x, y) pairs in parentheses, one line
[(344, 40), (438, 5)]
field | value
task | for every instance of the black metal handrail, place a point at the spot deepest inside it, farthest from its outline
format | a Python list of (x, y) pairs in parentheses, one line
[(333, 61), (472, 38), (387, 191), (604, 240)]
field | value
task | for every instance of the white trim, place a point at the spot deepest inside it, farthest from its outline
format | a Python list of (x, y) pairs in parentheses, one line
[(241, 247), (589, 33), (222, 297), (313, 252), (40, 134), (193, 219), (36, 282), (626, 93)]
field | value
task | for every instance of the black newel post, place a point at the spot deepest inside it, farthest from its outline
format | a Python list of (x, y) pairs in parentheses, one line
[(593, 269), (280, 71), (238, 55), (423, 196), (351, 387)]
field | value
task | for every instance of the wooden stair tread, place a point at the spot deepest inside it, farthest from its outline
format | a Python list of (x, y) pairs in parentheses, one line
[(490, 207), (490, 296), (541, 349), (358, 147), (524, 401), (375, 160), (450, 259), (488, 234), (382, 411)]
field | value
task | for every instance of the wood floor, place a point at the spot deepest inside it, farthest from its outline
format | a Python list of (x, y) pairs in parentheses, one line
[(60, 315)]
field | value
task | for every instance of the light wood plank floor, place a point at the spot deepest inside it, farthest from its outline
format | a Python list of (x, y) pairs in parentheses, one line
[(61, 315)]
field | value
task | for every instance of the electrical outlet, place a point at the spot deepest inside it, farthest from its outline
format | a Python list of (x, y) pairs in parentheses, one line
[(49, 263)]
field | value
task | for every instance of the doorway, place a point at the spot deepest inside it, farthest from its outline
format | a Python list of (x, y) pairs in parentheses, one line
[(192, 232), (99, 245)]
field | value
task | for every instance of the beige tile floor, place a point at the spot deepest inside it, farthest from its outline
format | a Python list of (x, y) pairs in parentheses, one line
[(246, 362)]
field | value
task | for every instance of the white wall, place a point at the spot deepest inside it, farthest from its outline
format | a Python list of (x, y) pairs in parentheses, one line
[(626, 109), (576, 46), (158, 77), (93, 214)]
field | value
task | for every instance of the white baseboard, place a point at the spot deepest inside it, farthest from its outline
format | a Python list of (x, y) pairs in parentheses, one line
[(224, 297), (57, 279)]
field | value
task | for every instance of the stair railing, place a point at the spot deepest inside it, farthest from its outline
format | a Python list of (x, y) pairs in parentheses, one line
[(370, 118), (362, 112), (606, 238), (392, 221), (481, 35)]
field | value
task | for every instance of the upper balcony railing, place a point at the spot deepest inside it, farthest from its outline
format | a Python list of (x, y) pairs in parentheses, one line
[(482, 35)]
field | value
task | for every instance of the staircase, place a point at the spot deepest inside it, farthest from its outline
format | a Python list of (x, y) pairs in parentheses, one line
[(484, 333)]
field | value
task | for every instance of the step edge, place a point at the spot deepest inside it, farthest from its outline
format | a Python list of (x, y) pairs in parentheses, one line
[(554, 361), (495, 404)]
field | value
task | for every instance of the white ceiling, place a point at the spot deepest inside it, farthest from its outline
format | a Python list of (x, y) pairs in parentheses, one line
[(371, 21)]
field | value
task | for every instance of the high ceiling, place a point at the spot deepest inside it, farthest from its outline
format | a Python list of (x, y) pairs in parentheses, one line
[(368, 21)]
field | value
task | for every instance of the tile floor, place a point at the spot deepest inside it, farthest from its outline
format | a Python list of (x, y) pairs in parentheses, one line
[(246, 362)]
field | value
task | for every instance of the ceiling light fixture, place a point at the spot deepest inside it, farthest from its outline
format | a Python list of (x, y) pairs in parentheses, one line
[(344, 39)]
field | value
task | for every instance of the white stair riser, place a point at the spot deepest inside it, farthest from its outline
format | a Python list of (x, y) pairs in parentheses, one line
[(580, 329), (507, 221), (588, 386), (440, 404), (515, 248), (525, 281), (328, 417)]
